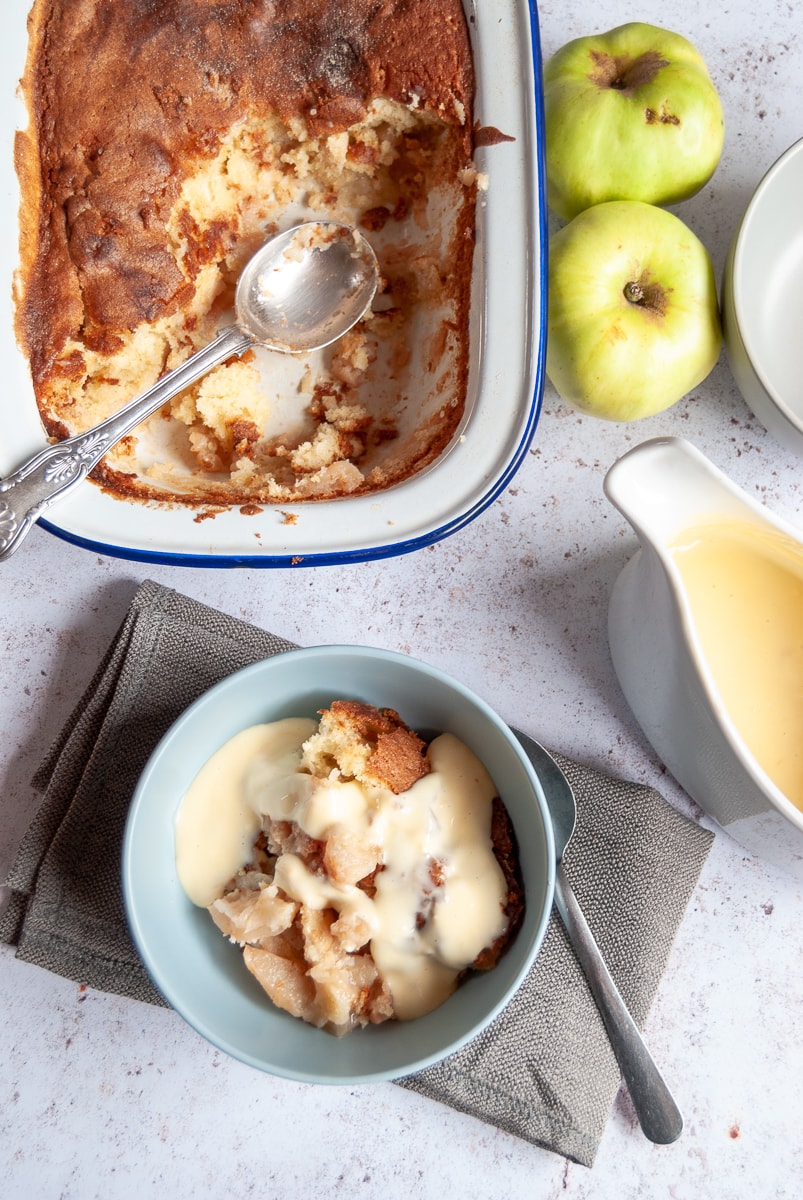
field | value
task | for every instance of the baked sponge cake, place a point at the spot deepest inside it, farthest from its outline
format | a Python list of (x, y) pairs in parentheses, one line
[(369, 744), (165, 143)]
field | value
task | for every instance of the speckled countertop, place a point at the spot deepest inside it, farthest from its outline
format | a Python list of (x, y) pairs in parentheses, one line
[(101, 1096)]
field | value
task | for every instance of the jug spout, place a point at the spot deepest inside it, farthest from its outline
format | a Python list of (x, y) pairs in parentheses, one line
[(666, 485)]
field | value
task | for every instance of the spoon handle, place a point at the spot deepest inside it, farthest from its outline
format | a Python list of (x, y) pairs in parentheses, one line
[(658, 1114), (57, 468)]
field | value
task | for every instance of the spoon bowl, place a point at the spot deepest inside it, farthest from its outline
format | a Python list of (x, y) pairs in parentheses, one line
[(302, 290), (307, 287)]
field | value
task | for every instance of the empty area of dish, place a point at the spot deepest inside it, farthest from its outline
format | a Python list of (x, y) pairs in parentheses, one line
[(779, 345)]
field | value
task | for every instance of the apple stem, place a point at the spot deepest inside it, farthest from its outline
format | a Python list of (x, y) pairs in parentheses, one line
[(647, 294)]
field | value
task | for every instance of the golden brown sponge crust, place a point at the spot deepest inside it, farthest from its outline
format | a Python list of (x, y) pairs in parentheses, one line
[(371, 745), (126, 95)]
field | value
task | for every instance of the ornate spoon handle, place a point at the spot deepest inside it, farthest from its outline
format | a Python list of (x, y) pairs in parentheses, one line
[(58, 468), (658, 1114)]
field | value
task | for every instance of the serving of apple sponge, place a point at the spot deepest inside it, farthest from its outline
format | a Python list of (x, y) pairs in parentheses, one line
[(383, 871)]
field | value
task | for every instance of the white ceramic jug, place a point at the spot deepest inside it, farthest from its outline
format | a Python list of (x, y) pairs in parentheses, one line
[(665, 487)]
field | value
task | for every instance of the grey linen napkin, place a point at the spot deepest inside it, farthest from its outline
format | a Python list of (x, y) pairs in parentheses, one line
[(543, 1070)]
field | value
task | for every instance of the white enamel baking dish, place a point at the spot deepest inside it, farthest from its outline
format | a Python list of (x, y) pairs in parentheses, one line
[(507, 354)]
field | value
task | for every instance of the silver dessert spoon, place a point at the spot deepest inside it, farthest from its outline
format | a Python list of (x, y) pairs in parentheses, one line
[(302, 290), (658, 1114)]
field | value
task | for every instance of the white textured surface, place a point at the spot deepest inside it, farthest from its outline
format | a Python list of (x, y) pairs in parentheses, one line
[(102, 1097)]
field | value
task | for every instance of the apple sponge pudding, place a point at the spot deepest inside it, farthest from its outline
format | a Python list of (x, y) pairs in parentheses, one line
[(165, 144), (362, 872)]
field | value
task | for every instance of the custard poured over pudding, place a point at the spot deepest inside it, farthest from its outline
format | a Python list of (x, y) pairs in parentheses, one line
[(166, 143), (362, 873)]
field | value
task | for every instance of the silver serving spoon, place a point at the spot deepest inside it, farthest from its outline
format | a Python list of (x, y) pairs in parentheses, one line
[(302, 290), (658, 1114)]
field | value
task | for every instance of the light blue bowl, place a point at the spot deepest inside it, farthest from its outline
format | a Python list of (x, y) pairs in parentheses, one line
[(201, 974)]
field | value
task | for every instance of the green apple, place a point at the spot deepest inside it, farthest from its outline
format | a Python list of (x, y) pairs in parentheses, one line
[(631, 114), (633, 317)]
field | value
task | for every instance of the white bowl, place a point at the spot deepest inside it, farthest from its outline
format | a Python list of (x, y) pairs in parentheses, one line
[(762, 301), (506, 370), (201, 974)]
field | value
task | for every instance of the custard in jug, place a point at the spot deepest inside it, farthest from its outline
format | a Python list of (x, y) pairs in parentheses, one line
[(745, 589)]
